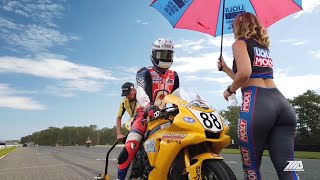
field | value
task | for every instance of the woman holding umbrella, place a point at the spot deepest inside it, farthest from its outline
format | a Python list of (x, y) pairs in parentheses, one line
[(266, 117)]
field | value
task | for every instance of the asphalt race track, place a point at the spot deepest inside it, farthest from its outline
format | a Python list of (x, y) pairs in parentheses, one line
[(81, 163)]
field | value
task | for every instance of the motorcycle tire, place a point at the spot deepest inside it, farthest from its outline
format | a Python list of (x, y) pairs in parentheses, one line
[(216, 170)]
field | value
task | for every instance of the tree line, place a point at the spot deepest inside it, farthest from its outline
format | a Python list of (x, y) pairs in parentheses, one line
[(71, 136), (306, 106)]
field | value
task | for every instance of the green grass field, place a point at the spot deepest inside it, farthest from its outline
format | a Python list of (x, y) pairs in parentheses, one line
[(297, 154), (6, 151)]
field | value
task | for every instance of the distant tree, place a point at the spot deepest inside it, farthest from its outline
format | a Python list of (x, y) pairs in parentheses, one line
[(232, 114), (307, 108), (70, 136)]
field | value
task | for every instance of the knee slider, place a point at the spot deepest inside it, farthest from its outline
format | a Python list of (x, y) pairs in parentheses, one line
[(123, 156)]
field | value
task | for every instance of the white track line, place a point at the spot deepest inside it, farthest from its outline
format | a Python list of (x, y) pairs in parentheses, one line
[(232, 162), (105, 159)]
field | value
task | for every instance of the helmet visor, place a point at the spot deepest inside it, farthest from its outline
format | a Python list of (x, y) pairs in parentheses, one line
[(163, 55)]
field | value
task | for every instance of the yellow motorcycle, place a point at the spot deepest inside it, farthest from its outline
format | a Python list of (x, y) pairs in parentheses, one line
[(183, 142)]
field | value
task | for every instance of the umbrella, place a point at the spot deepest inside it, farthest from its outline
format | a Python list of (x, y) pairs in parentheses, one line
[(215, 17)]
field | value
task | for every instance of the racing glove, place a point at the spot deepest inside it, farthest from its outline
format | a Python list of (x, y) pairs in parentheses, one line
[(152, 111)]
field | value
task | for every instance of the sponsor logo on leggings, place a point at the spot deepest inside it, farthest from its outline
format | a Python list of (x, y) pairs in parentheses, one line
[(243, 136), (245, 156), (250, 174), (246, 101)]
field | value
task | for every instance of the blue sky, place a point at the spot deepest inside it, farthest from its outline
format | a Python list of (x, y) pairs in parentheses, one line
[(62, 63)]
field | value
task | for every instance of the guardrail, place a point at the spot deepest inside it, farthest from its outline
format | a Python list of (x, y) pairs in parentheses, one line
[(8, 146)]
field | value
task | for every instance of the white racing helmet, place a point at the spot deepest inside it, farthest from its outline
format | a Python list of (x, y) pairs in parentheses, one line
[(162, 53)]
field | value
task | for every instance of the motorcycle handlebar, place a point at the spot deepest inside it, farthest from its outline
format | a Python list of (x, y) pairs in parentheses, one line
[(165, 113)]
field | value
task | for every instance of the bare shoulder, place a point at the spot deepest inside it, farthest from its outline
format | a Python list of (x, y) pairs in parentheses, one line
[(239, 44)]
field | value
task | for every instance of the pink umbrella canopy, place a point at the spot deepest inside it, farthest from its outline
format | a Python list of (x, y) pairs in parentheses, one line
[(206, 16)]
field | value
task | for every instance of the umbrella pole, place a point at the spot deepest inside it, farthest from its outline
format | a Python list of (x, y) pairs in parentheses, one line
[(222, 29)]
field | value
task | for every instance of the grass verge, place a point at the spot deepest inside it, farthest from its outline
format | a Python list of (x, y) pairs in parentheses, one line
[(297, 154), (6, 151)]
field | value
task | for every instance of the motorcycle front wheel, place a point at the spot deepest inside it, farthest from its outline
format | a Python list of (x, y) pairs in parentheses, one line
[(216, 170), (211, 170)]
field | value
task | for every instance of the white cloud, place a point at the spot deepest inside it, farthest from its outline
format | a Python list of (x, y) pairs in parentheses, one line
[(294, 42), (194, 64), (44, 12), (53, 68), (308, 7), (186, 44), (228, 40), (21, 13), (299, 43), (70, 76), (66, 78), (58, 91), (39, 32), (36, 38), (210, 42), (131, 70), (84, 85), (9, 99), (204, 63), (112, 94), (292, 86), (289, 85), (125, 73), (218, 79), (67, 95), (142, 22), (6, 23), (23, 103), (49, 56), (316, 54)]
